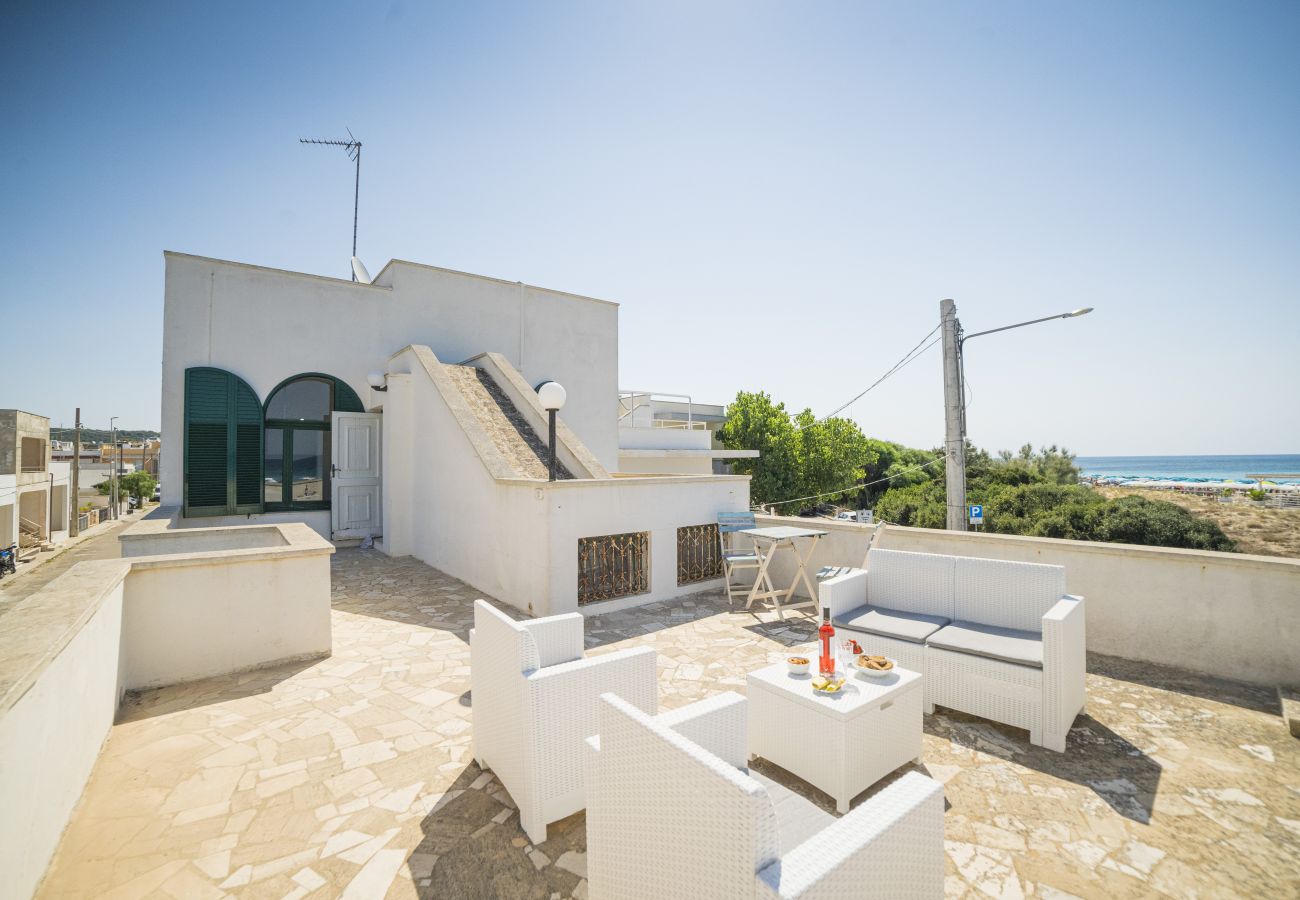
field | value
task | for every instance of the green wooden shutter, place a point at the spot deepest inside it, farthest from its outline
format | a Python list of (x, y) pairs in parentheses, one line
[(223, 444), (346, 399), (247, 469), (207, 440)]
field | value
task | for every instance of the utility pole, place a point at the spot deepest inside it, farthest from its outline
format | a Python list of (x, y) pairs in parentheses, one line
[(954, 401), (954, 442), (112, 467), (74, 525)]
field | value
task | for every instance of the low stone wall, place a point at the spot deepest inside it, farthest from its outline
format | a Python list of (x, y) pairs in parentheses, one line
[(70, 651), (1227, 614)]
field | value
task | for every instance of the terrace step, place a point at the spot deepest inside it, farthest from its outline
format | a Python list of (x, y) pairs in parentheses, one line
[(1289, 697), (522, 447)]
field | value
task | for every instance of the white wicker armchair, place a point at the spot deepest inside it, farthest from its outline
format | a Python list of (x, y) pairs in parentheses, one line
[(535, 700), (673, 813)]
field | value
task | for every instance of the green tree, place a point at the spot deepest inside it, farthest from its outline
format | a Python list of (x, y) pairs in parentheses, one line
[(134, 484), (754, 422), (799, 456)]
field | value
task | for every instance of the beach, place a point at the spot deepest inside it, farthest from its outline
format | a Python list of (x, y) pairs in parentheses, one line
[(1256, 528)]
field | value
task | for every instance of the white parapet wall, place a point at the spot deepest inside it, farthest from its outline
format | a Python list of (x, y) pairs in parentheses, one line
[(59, 691), (206, 602), (1227, 614)]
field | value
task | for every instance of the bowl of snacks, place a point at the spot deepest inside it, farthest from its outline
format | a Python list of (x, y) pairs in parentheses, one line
[(827, 685), (798, 665), (874, 666)]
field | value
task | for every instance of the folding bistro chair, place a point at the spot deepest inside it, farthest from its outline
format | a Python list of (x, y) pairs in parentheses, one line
[(831, 571), (734, 557)]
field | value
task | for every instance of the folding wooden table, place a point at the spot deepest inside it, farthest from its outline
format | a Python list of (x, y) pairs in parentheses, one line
[(767, 541)]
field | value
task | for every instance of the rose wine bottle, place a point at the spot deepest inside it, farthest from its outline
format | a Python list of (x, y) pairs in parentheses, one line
[(826, 665)]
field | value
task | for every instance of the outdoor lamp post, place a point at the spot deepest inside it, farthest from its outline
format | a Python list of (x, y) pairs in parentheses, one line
[(954, 395), (552, 396)]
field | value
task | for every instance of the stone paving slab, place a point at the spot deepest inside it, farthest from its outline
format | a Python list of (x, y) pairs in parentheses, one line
[(352, 776)]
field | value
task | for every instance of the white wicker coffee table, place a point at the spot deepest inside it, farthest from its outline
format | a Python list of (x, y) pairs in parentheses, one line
[(841, 744)]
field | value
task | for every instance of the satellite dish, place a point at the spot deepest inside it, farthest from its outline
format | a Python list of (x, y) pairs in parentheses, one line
[(359, 270)]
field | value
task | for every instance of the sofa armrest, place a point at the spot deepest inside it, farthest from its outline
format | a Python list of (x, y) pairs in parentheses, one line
[(1065, 662), (890, 846), (559, 639), (843, 592), (719, 724)]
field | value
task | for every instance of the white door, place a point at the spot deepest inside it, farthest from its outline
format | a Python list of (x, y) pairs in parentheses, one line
[(355, 483)]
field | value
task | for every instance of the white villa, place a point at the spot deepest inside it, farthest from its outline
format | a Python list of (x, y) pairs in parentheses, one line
[(268, 415)]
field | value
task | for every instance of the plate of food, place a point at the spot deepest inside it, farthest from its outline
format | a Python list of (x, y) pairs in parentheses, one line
[(824, 685), (874, 666)]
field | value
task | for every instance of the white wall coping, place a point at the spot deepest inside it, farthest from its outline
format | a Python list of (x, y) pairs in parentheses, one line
[(36, 629), (393, 263), (342, 282), (619, 479), (1101, 548), (648, 453)]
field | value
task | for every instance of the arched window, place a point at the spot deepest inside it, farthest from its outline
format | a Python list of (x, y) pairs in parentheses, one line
[(297, 440), (223, 444)]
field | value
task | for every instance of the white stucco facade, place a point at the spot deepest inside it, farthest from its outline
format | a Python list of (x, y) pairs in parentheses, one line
[(266, 325)]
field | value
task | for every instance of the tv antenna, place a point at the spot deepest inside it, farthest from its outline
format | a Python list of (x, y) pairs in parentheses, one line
[(352, 147)]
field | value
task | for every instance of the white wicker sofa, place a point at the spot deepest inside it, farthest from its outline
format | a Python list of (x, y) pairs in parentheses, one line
[(673, 814), (535, 700), (996, 639)]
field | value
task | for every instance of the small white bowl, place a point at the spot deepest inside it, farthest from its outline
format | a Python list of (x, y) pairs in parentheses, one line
[(797, 668)]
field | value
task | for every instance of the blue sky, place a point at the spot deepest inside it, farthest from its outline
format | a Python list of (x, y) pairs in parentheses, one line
[(778, 194)]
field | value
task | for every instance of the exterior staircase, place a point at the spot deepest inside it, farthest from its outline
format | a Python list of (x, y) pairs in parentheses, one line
[(30, 539), (525, 450)]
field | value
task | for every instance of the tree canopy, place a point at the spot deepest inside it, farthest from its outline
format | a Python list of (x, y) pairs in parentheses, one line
[(1030, 492)]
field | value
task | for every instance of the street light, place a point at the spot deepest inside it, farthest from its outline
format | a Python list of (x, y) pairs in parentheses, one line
[(954, 392), (552, 395)]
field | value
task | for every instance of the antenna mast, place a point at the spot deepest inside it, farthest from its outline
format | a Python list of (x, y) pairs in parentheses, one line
[(353, 148)]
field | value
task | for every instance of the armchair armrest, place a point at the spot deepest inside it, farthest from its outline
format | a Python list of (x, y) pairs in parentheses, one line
[(1065, 663), (719, 724), (566, 693), (559, 639), (889, 847), (843, 592)]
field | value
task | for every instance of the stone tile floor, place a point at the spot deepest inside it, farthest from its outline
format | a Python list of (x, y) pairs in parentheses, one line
[(352, 776)]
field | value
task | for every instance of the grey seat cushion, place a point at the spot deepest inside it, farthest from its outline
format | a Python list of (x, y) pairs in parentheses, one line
[(893, 623), (1024, 648)]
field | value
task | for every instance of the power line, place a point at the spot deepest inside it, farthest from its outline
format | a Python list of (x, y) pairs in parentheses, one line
[(855, 487), (907, 358)]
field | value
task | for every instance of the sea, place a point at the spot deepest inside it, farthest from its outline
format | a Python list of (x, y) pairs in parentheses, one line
[(1189, 468)]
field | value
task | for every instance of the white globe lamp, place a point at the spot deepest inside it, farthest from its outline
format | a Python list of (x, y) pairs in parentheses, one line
[(551, 395)]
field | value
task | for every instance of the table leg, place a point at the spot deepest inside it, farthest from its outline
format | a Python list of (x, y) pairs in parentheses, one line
[(842, 805), (760, 577), (803, 568)]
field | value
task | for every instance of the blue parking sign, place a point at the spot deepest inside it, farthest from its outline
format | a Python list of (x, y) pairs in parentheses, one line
[(976, 514)]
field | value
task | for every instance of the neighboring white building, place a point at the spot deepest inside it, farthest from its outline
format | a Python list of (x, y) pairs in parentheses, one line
[(669, 434), (34, 492), (268, 415)]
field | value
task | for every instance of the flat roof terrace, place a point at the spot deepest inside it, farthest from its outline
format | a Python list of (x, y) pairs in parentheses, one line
[(352, 776)]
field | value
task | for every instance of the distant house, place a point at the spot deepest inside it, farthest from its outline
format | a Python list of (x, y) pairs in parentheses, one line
[(34, 491), (406, 410), (670, 434)]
